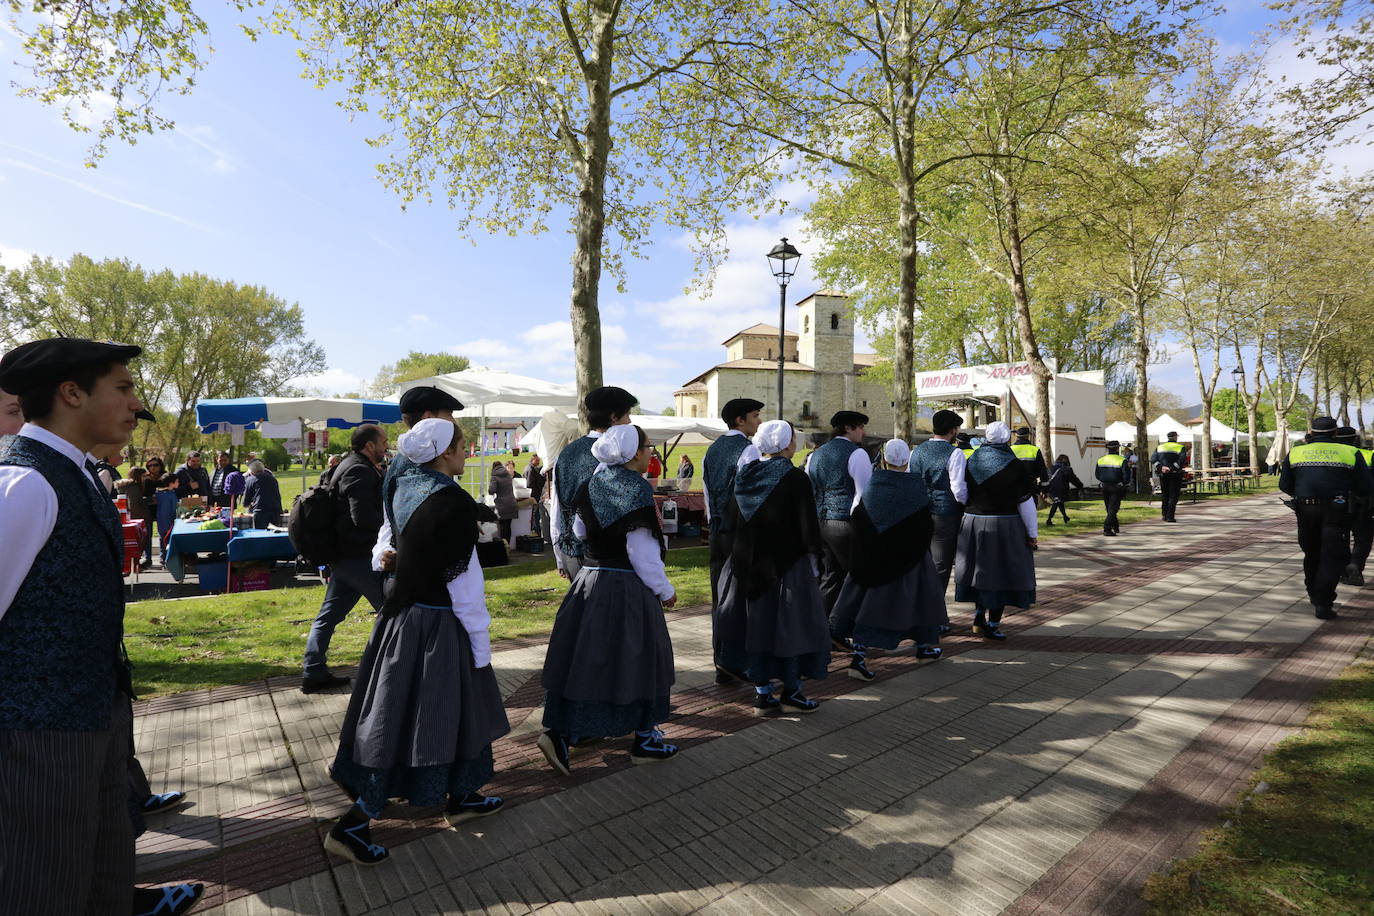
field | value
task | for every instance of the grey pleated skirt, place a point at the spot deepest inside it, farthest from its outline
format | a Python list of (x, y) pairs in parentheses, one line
[(609, 666), (421, 719), (995, 567), (782, 634), (911, 606)]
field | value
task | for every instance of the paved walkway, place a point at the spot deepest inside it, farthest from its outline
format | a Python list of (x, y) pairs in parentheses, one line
[(1051, 773)]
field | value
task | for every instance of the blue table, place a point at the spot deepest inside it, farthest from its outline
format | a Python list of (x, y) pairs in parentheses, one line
[(188, 538)]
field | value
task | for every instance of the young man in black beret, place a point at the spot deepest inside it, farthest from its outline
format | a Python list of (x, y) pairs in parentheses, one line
[(606, 407), (839, 470), (65, 719)]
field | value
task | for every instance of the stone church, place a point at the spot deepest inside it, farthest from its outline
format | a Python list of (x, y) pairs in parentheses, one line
[(823, 373)]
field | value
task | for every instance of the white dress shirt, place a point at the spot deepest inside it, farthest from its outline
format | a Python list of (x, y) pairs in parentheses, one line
[(645, 558), (30, 512), (556, 512), (469, 597), (751, 453), (958, 483), (861, 470)]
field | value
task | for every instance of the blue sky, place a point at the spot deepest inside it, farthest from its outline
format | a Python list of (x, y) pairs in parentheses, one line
[(265, 181)]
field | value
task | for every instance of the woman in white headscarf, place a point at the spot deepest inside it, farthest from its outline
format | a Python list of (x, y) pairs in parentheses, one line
[(995, 564), (770, 614), (893, 592), (426, 705), (609, 666)]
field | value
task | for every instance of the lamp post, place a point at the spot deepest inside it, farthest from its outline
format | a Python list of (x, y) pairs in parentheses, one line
[(783, 261), (1236, 375)]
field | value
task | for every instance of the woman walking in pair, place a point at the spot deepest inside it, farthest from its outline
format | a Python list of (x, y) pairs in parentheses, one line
[(426, 705), (609, 667), (770, 616)]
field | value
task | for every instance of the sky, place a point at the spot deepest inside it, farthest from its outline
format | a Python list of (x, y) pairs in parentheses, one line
[(266, 181)]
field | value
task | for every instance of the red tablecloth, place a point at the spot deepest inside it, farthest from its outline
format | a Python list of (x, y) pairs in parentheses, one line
[(134, 532), (686, 502)]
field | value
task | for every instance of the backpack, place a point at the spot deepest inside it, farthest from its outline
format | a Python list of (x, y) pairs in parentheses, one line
[(313, 524)]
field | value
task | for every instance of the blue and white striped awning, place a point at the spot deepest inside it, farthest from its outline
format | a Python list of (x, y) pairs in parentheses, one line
[(340, 413)]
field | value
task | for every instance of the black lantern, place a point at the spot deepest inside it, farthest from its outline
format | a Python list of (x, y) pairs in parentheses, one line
[(783, 261)]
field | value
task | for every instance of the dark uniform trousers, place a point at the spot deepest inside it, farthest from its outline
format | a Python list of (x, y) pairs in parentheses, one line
[(837, 547), (1324, 536), (721, 544), (1111, 499), (1361, 538), (1170, 486), (944, 545), (67, 846)]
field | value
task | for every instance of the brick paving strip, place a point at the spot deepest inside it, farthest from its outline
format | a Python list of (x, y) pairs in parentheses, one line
[(267, 845)]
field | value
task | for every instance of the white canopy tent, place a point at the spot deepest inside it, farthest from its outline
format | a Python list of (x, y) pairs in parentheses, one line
[(556, 430), (1220, 432), (1165, 424), (1121, 431), (497, 394)]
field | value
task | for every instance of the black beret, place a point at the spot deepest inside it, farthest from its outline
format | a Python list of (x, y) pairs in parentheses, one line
[(46, 362), (426, 397), (616, 400), (1346, 432), (145, 414), (1023, 431), (1114, 444), (1323, 425), (735, 408), (848, 418)]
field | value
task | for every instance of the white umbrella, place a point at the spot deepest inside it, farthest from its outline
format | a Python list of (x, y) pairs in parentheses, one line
[(494, 393)]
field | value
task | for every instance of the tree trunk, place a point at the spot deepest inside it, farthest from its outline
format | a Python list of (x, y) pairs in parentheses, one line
[(903, 363), (1030, 348), (589, 221), (1142, 383), (1206, 461)]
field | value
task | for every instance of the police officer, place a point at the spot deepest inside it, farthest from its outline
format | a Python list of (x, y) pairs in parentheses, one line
[(964, 443), (1325, 478), (1169, 463), (1362, 521), (1111, 472), (1030, 455)]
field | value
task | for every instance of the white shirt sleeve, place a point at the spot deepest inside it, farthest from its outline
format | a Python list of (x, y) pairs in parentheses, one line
[(579, 527), (555, 521), (468, 594), (648, 562), (383, 543), (861, 469), (706, 493), (958, 482), (25, 526), (1027, 512)]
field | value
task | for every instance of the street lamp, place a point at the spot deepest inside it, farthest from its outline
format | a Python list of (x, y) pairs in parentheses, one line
[(1236, 375), (783, 261)]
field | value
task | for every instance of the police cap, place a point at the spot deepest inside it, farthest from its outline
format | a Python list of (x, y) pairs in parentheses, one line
[(1023, 431), (1172, 435), (1114, 444), (47, 362), (1323, 425), (1346, 432)]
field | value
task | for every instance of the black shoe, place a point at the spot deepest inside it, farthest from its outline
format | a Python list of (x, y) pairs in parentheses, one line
[(1065, 519), (164, 802), (355, 844), (993, 631), (798, 703), (472, 807), (555, 748), (145, 565), (1109, 533), (859, 670), (931, 652), (979, 628), (1325, 612), (1049, 523), (328, 682), (841, 644), (651, 749), (725, 675), (166, 901), (765, 704), (946, 629), (1352, 576)]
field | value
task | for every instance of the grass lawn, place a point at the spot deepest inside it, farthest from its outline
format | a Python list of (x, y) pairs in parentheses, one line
[(192, 643), (1305, 844)]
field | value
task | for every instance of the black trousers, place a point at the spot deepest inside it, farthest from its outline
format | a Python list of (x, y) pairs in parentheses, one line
[(1324, 536), (837, 547), (1361, 537), (944, 545), (721, 543), (1111, 499), (1057, 504), (1170, 486)]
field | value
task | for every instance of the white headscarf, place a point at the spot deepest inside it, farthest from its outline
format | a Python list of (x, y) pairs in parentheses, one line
[(897, 453), (773, 437), (616, 445), (426, 440), (998, 433)]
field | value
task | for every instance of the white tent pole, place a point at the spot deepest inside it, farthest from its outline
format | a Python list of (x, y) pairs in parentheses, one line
[(302, 421), (481, 458)]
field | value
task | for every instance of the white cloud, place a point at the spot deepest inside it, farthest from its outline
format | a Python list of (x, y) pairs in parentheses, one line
[(330, 382), (486, 350), (94, 111), (416, 321), (12, 258), (89, 189), (203, 136), (546, 350)]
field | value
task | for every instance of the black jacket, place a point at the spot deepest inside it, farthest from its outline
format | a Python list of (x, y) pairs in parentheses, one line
[(357, 485), (184, 477), (1062, 480), (1325, 480), (263, 494)]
